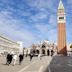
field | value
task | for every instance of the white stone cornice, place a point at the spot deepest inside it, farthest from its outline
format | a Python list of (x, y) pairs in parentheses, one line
[(62, 21)]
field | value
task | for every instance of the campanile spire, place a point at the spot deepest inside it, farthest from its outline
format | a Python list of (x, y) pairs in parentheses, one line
[(60, 5)]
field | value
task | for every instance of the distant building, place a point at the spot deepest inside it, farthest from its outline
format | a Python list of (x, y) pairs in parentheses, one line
[(7, 45), (43, 47), (68, 47), (26, 51), (21, 46)]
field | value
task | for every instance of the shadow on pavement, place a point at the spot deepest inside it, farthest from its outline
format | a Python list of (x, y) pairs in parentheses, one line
[(60, 63), (3, 64)]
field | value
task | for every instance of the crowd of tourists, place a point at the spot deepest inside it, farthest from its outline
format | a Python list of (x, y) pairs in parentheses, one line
[(13, 57)]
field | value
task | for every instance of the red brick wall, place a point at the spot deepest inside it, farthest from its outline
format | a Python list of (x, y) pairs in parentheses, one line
[(62, 38)]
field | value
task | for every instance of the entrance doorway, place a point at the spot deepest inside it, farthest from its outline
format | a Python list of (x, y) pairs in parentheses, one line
[(48, 52), (43, 51), (37, 51)]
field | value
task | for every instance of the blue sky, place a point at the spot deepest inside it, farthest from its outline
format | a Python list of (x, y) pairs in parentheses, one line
[(31, 21)]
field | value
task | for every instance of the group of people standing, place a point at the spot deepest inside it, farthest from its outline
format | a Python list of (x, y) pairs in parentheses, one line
[(13, 58)]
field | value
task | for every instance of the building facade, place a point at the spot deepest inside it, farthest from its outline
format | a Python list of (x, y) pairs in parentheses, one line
[(7, 45), (62, 48), (21, 46), (43, 47)]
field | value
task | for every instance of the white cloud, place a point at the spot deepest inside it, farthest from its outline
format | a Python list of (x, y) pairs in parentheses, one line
[(11, 28), (25, 13), (43, 28), (53, 30), (41, 3), (39, 16), (52, 35), (53, 20), (47, 33)]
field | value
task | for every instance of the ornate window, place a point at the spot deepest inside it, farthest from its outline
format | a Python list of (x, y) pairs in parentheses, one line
[(43, 46)]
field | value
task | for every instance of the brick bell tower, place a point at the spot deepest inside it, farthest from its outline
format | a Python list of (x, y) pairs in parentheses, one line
[(62, 48)]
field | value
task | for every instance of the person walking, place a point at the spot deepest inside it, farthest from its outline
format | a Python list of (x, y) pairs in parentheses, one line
[(31, 56), (14, 59), (21, 57), (9, 59), (39, 56)]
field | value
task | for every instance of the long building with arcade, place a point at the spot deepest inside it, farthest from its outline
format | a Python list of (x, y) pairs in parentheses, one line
[(8, 45)]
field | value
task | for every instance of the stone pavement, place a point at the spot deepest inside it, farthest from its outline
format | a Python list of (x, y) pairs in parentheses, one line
[(36, 65), (60, 64), (46, 64)]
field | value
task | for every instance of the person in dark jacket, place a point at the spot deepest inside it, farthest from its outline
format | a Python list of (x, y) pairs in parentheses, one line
[(21, 57), (31, 56), (9, 59)]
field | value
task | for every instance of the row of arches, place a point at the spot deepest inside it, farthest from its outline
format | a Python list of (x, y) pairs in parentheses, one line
[(43, 51), (36, 52)]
